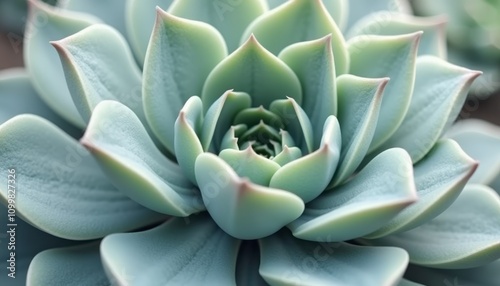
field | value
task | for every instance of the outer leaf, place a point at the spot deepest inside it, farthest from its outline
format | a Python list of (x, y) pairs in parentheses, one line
[(463, 236), (313, 63), (139, 21), (286, 260), (129, 158), (440, 177), (359, 105), (111, 11), (242, 209), (481, 140), (64, 192), (486, 275), (439, 88), (175, 69), (433, 41), (360, 8), (192, 251), (98, 65), (48, 24), (393, 57), (254, 70), (77, 265), (299, 21), (17, 96), (229, 17), (309, 176), (375, 195), (26, 247)]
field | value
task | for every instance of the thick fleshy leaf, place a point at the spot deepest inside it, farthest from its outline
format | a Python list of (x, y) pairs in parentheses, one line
[(440, 88), (139, 21), (433, 41), (191, 251), (241, 208), (254, 70), (439, 177), (297, 123), (486, 275), (17, 96), (248, 164), (287, 155), (360, 8), (480, 140), (187, 143), (299, 21), (112, 12), (129, 158), (308, 177), (28, 242), (229, 17), (77, 265), (375, 195), (175, 69), (313, 63), (359, 105), (247, 267), (338, 9), (393, 57), (98, 65), (286, 260), (64, 192), (220, 115), (463, 236), (49, 24)]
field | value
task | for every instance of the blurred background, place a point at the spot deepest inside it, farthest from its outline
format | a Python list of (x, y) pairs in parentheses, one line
[(473, 33)]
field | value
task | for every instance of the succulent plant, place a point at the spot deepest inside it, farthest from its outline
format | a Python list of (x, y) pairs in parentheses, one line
[(473, 32), (235, 144)]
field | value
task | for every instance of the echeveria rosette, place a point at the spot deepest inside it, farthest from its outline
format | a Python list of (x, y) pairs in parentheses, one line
[(302, 142)]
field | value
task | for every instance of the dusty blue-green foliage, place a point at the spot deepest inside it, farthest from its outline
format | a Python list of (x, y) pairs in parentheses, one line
[(245, 142)]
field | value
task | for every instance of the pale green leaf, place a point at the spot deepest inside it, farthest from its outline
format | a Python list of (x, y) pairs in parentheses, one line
[(243, 209), (139, 21), (433, 41), (286, 260), (359, 105), (439, 177), (308, 177), (485, 275), (64, 192), (248, 164), (254, 70), (480, 140), (180, 56), (112, 12), (393, 57), (463, 236), (360, 8), (440, 89), (313, 63), (230, 17), (25, 248), (296, 122), (17, 96), (98, 65), (190, 251), (375, 195), (49, 24), (69, 266), (129, 158), (299, 21)]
